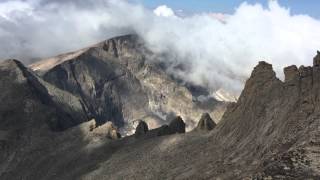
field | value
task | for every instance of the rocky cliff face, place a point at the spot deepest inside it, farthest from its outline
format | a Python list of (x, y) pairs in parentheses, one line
[(119, 80), (26, 98), (277, 121)]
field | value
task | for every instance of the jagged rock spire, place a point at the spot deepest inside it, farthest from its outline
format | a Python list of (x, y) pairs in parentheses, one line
[(316, 59), (141, 129), (177, 125), (206, 123), (291, 73)]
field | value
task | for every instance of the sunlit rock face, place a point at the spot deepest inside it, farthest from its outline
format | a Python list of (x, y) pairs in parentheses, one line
[(120, 80)]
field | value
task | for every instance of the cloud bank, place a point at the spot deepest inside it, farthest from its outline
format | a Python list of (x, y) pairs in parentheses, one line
[(218, 51)]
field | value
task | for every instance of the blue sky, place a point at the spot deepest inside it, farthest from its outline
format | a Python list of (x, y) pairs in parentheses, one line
[(310, 7)]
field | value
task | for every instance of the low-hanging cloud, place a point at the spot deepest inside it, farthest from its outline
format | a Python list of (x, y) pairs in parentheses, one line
[(218, 50)]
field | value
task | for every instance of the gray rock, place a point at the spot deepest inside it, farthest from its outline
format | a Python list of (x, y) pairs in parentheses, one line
[(141, 129), (164, 130), (316, 59), (28, 98), (291, 73), (108, 130), (177, 125), (206, 123)]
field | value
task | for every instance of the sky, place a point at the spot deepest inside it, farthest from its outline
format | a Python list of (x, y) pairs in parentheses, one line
[(217, 42), (310, 7)]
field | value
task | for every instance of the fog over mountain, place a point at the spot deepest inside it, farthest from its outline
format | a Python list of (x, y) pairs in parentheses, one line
[(211, 49)]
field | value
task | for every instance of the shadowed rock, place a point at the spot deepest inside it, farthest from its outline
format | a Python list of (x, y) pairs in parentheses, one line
[(316, 59), (141, 129), (177, 125), (206, 123), (164, 130)]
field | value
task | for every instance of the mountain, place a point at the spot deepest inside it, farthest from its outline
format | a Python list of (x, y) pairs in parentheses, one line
[(46, 131), (271, 132), (120, 80)]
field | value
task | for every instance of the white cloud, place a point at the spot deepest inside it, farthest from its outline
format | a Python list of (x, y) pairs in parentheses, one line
[(164, 11), (215, 53)]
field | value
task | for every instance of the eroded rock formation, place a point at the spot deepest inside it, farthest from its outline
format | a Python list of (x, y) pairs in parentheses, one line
[(141, 129), (205, 123)]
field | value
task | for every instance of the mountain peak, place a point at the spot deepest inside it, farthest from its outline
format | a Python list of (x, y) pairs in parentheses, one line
[(316, 59), (263, 69)]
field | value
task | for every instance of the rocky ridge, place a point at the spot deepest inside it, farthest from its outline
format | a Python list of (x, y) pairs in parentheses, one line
[(271, 132)]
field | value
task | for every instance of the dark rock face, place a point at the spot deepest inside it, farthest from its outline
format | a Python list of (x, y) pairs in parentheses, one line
[(177, 125), (206, 123), (164, 130), (141, 129), (316, 59), (29, 98), (104, 86)]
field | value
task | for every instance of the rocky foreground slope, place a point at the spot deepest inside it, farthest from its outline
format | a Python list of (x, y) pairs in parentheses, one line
[(272, 132)]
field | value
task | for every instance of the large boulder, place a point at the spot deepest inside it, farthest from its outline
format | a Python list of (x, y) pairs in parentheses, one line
[(141, 129), (206, 123)]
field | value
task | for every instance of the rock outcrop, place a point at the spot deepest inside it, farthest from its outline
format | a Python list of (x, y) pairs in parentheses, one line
[(205, 123), (276, 116), (177, 125), (163, 130), (141, 129), (316, 59), (108, 130)]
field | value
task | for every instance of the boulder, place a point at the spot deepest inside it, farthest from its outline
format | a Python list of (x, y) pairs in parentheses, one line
[(141, 129), (108, 130), (206, 123)]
